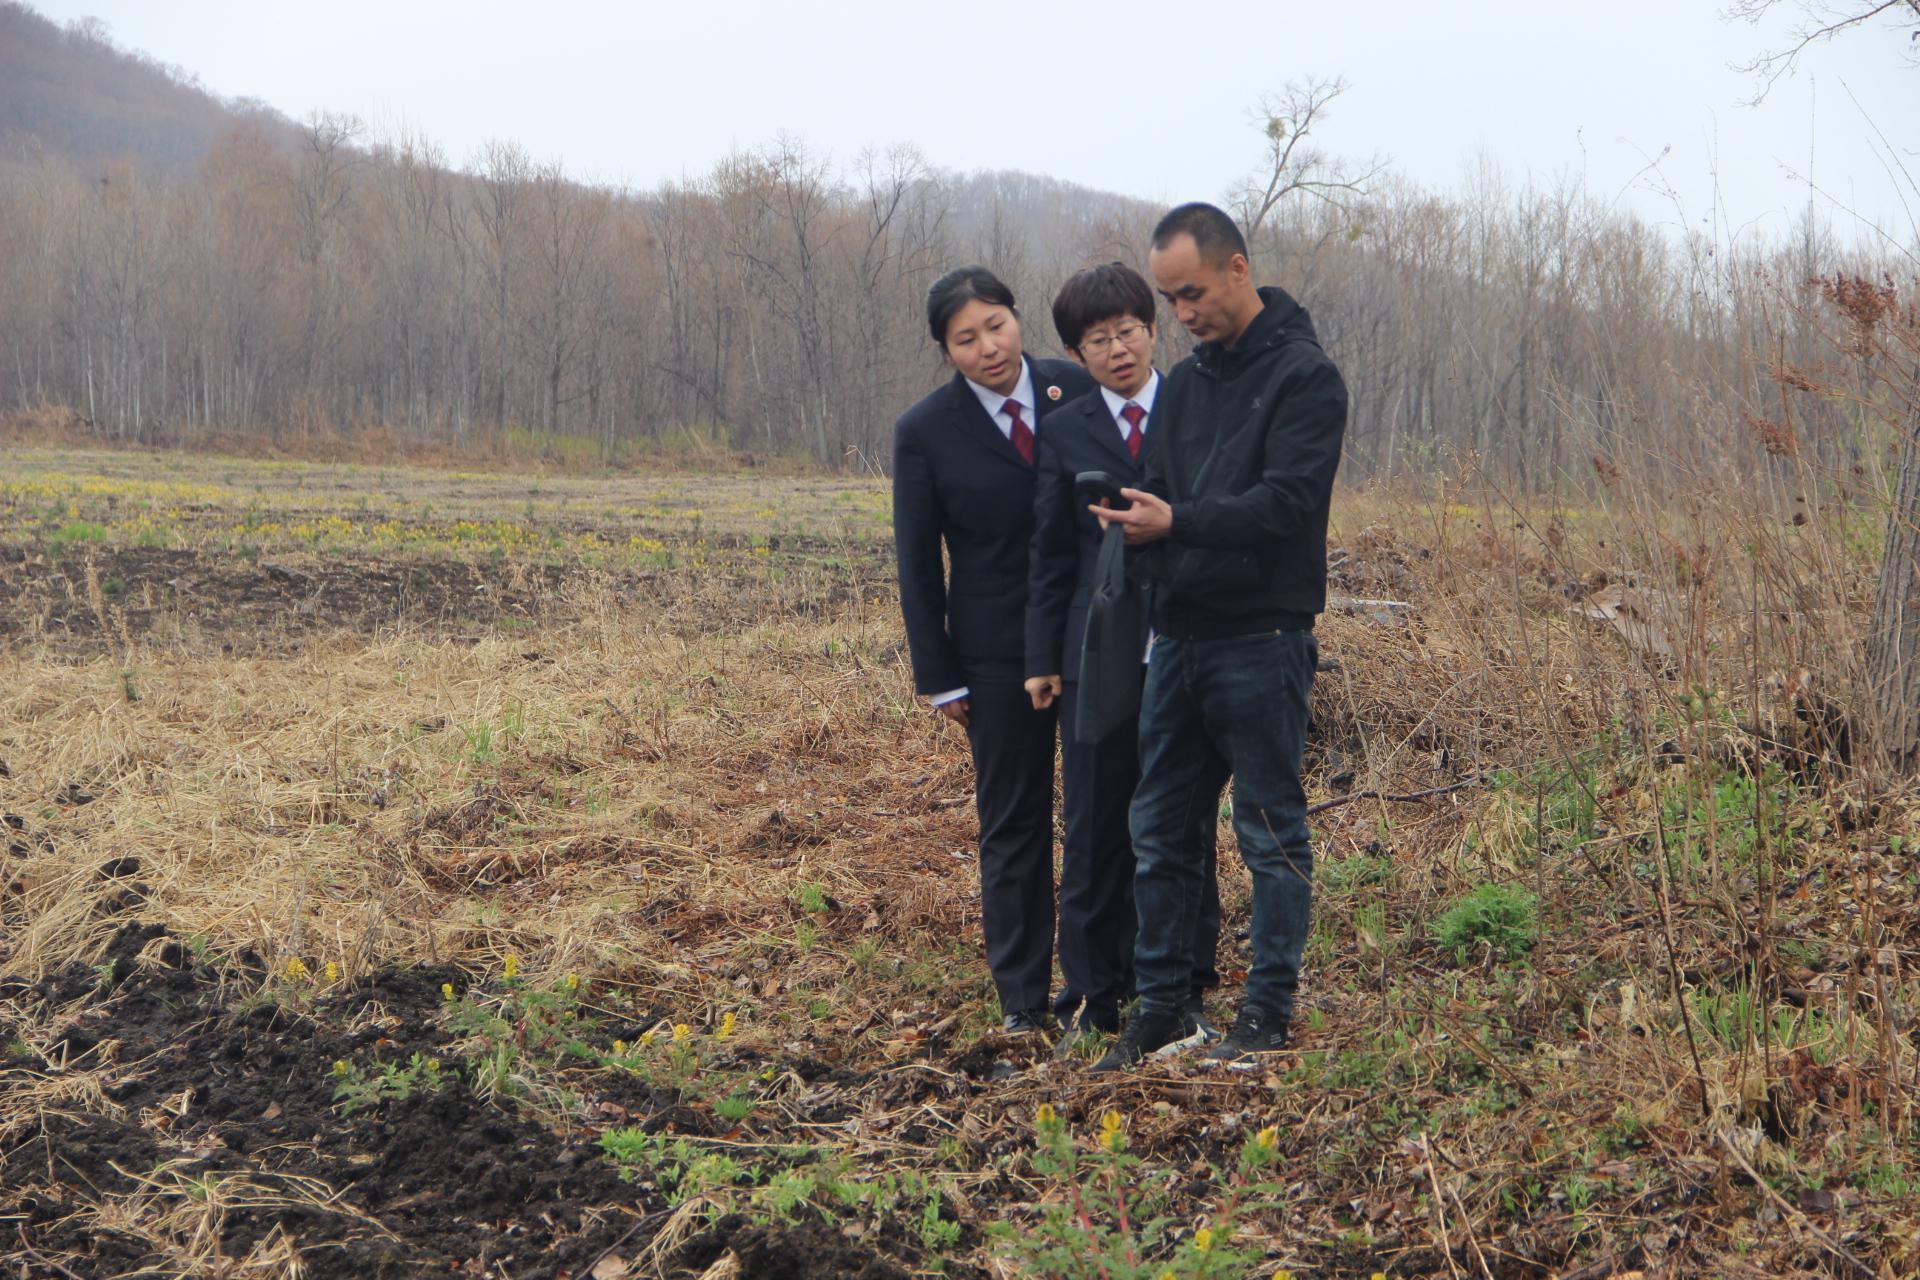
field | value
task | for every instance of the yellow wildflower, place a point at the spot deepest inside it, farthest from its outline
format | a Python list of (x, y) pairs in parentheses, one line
[(1283, 1274), (727, 1024), (512, 966), (619, 1048), (297, 969), (1268, 1138), (1045, 1115), (340, 1067), (681, 1031), (647, 1038), (573, 982), (1203, 1240), (333, 972), (446, 991), (1112, 1122)]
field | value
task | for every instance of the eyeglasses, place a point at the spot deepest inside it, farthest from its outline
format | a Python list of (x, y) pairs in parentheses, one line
[(1126, 334)]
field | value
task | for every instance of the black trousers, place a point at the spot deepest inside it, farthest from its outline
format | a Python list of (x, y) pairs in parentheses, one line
[(1013, 794), (1097, 917)]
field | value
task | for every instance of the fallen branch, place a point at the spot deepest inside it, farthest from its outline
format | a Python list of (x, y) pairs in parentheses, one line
[(34, 1255), (639, 1225), (1400, 797), (1789, 1209), (1379, 612), (1603, 1267), (1440, 1210)]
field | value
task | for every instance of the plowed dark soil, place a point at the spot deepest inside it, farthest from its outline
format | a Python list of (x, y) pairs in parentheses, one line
[(205, 599), (214, 1135), (255, 605)]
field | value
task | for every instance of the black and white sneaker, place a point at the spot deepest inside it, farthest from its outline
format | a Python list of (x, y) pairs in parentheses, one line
[(1147, 1035), (1255, 1034)]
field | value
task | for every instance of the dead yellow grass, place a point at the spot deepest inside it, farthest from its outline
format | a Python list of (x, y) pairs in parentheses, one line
[(579, 796), (645, 791)]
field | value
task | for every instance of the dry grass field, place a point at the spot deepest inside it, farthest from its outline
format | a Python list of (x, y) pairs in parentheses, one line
[(419, 873)]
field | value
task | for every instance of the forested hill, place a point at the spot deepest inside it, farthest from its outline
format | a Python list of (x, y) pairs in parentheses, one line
[(239, 274), (82, 97)]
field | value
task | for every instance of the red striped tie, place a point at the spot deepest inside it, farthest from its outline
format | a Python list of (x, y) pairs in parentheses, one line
[(1134, 415), (1022, 434)]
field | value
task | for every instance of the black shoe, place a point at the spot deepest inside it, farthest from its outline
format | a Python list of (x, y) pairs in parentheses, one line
[(1255, 1032), (1023, 1022), (1149, 1034), (1202, 1026)]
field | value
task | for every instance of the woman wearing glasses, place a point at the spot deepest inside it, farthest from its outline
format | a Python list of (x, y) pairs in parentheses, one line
[(1105, 319), (963, 477)]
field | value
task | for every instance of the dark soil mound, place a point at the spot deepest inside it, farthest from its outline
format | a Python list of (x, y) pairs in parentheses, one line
[(810, 1251), (204, 1120)]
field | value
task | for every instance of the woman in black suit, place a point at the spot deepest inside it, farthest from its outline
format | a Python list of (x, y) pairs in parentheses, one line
[(963, 475)]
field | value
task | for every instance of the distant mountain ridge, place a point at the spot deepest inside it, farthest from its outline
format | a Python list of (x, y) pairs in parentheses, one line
[(80, 95), (83, 97)]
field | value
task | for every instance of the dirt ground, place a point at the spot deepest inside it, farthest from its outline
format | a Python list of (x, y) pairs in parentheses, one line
[(112, 596), (205, 1132), (420, 874)]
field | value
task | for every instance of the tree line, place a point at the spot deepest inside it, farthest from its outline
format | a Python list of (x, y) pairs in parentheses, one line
[(338, 282)]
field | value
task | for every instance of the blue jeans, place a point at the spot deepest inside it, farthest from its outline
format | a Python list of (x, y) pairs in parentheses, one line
[(1213, 709)]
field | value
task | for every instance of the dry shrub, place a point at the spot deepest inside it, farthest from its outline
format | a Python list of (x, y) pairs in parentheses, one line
[(47, 425)]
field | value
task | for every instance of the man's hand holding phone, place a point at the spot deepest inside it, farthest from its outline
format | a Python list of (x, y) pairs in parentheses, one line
[(1145, 517), (1148, 519)]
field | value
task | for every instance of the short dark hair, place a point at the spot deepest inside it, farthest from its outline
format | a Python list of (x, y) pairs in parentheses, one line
[(1215, 235), (955, 290), (1097, 294)]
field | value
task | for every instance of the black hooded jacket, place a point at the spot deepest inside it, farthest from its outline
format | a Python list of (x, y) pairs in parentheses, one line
[(1249, 439)]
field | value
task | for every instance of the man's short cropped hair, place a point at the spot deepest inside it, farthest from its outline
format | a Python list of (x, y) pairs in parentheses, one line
[(1098, 294), (1215, 235)]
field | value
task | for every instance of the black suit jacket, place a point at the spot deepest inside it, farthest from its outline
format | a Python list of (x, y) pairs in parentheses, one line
[(1066, 537), (958, 480)]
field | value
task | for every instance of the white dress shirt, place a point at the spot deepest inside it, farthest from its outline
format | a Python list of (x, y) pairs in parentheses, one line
[(1144, 398), (1115, 403), (994, 402)]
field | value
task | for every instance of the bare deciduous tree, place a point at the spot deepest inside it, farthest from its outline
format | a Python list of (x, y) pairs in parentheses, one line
[(322, 184), (499, 205), (1291, 163), (1820, 21)]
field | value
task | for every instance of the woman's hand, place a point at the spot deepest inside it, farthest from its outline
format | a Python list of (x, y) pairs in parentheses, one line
[(1043, 690)]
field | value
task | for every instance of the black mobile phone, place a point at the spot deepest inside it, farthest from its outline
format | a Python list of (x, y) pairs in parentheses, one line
[(1094, 485)]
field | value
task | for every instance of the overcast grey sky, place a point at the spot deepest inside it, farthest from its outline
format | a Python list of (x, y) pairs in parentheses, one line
[(1148, 97)]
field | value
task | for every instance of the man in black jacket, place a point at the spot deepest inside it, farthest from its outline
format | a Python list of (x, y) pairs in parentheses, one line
[(1105, 318), (1235, 502)]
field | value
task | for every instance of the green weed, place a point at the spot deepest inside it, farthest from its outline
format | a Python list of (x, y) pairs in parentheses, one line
[(1502, 917)]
